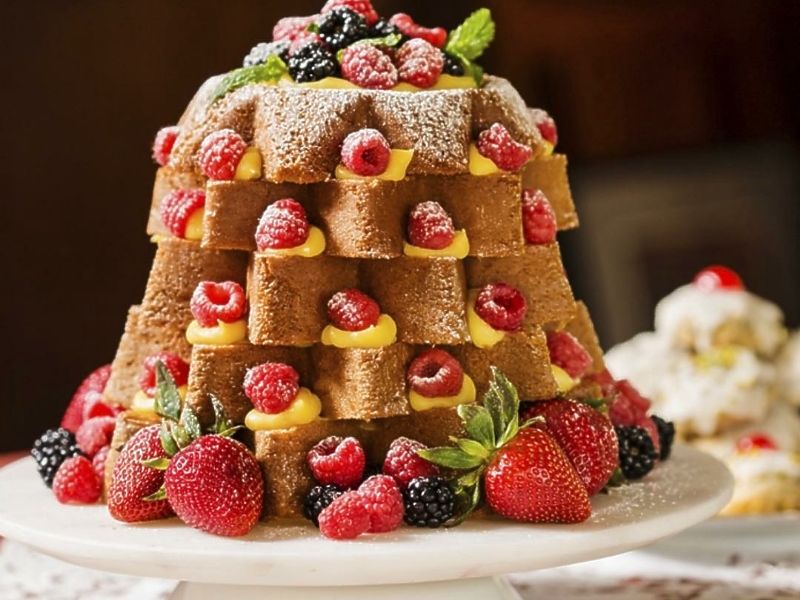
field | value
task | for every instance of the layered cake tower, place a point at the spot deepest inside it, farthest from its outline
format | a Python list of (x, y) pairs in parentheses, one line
[(356, 250)]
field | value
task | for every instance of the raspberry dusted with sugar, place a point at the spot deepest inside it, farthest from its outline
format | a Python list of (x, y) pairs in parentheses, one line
[(362, 7), (538, 218), (337, 461), (76, 482), (419, 63), (162, 145), (404, 464), (178, 206), (429, 226), (220, 154), (272, 386), (175, 365), (284, 224), (290, 28), (435, 373), (91, 387), (99, 462), (502, 306), (213, 302), (345, 518), (546, 125), (568, 353), (353, 310), (366, 152), (383, 502), (716, 278), (497, 145), (94, 434), (369, 67), (436, 36)]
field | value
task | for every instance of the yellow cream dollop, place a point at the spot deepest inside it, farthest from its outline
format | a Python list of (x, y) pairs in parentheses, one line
[(383, 333), (458, 248), (564, 381), (145, 405), (465, 395), (481, 333), (445, 82), (313, 246), (194, 226), (395, 170), (546, 149), (479, 165), (305, 408), (221, 334), (723, 356), (249, 166)]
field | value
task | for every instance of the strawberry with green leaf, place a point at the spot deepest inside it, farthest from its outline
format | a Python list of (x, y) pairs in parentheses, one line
[(519, 469)]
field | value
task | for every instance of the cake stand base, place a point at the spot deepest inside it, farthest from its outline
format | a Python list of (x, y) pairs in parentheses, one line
[(484, 588)]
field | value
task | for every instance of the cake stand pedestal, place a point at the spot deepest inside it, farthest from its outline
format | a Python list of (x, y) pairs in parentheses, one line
[(292, 562)]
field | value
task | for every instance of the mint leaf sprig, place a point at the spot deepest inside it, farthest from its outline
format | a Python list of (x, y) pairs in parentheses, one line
[(270, 71), (388, 41), (488, 428), (468, 41)]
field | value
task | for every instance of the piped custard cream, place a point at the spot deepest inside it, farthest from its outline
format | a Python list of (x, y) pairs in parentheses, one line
[(194, 226), (313, 246), (395, 171), (305, 408), (221, 334), (383, 333), (445, 82), (481, 333), (465, 395), (249, 166), (458, 248)]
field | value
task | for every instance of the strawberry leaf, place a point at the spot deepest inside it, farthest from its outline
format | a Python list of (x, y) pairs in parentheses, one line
[(389, 41), (167, 441), (502, 402), (167, 398), (477, 423), (190, 423), (222, 424), (159, 494), (451, 458), (473, 448), (159, 464)]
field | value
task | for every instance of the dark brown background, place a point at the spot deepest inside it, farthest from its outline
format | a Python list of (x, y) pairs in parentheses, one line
[(688, 105)]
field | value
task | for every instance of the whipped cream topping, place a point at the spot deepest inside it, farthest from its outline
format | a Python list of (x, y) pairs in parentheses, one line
[(788, 385), (702, 313)]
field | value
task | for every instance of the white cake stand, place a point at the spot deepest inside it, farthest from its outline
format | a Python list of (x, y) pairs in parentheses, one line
[(292, 562)]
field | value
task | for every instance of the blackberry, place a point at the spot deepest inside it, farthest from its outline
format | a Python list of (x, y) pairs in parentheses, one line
[(261, 52), (429, 502), (383, 28), (666, 435), (312, 62), (318, 499), (452, 65), (341, 27), (51, 449), (637, 454)]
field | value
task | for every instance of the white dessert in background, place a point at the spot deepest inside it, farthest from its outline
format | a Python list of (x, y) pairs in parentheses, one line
[(719, 366)]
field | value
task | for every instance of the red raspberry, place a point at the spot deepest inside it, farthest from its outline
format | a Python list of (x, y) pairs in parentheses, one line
[(176, 366), (404, 464), (94, 384), (338, 461), (362, 7), (289, 28), (538, 218), (283, 225), (99, 462), (502, 306), (436, 36), (435, 373), (419, 63), (94, 434), (95, 406), (651, 428), (369, 67), (755, 441), (497, 144), (178, 206), (383, 502), (366, 152), (272, 386), (429, 226), (220, 154), (568, 353), (718, 277), (546, 125), (162, 145), (353, 310), (345, 517), (76, 482), (213, 302)]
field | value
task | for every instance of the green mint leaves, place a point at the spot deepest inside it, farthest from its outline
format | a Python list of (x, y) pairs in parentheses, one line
[(270, 71), (469, 40), (388, 41)]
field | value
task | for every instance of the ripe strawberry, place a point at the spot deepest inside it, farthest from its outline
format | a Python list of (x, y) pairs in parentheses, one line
[(213, 302), (429, 226), (220, 153), (132, 481), (178, 206), (436, 36), (94, 434), (404, 464), (366, 152), (162, 145), (337, 461), (502, 306), (369, 67), (353, 310), (383, 502), (345, 517), (284, 224), (538, 218), (568, 353), (419, 63), (177, 367), (271, 386), (497, 144), (531, 479), (76, 482), (95, 382), (717, 277), (435, 372), (585, 435), (215, 484)]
